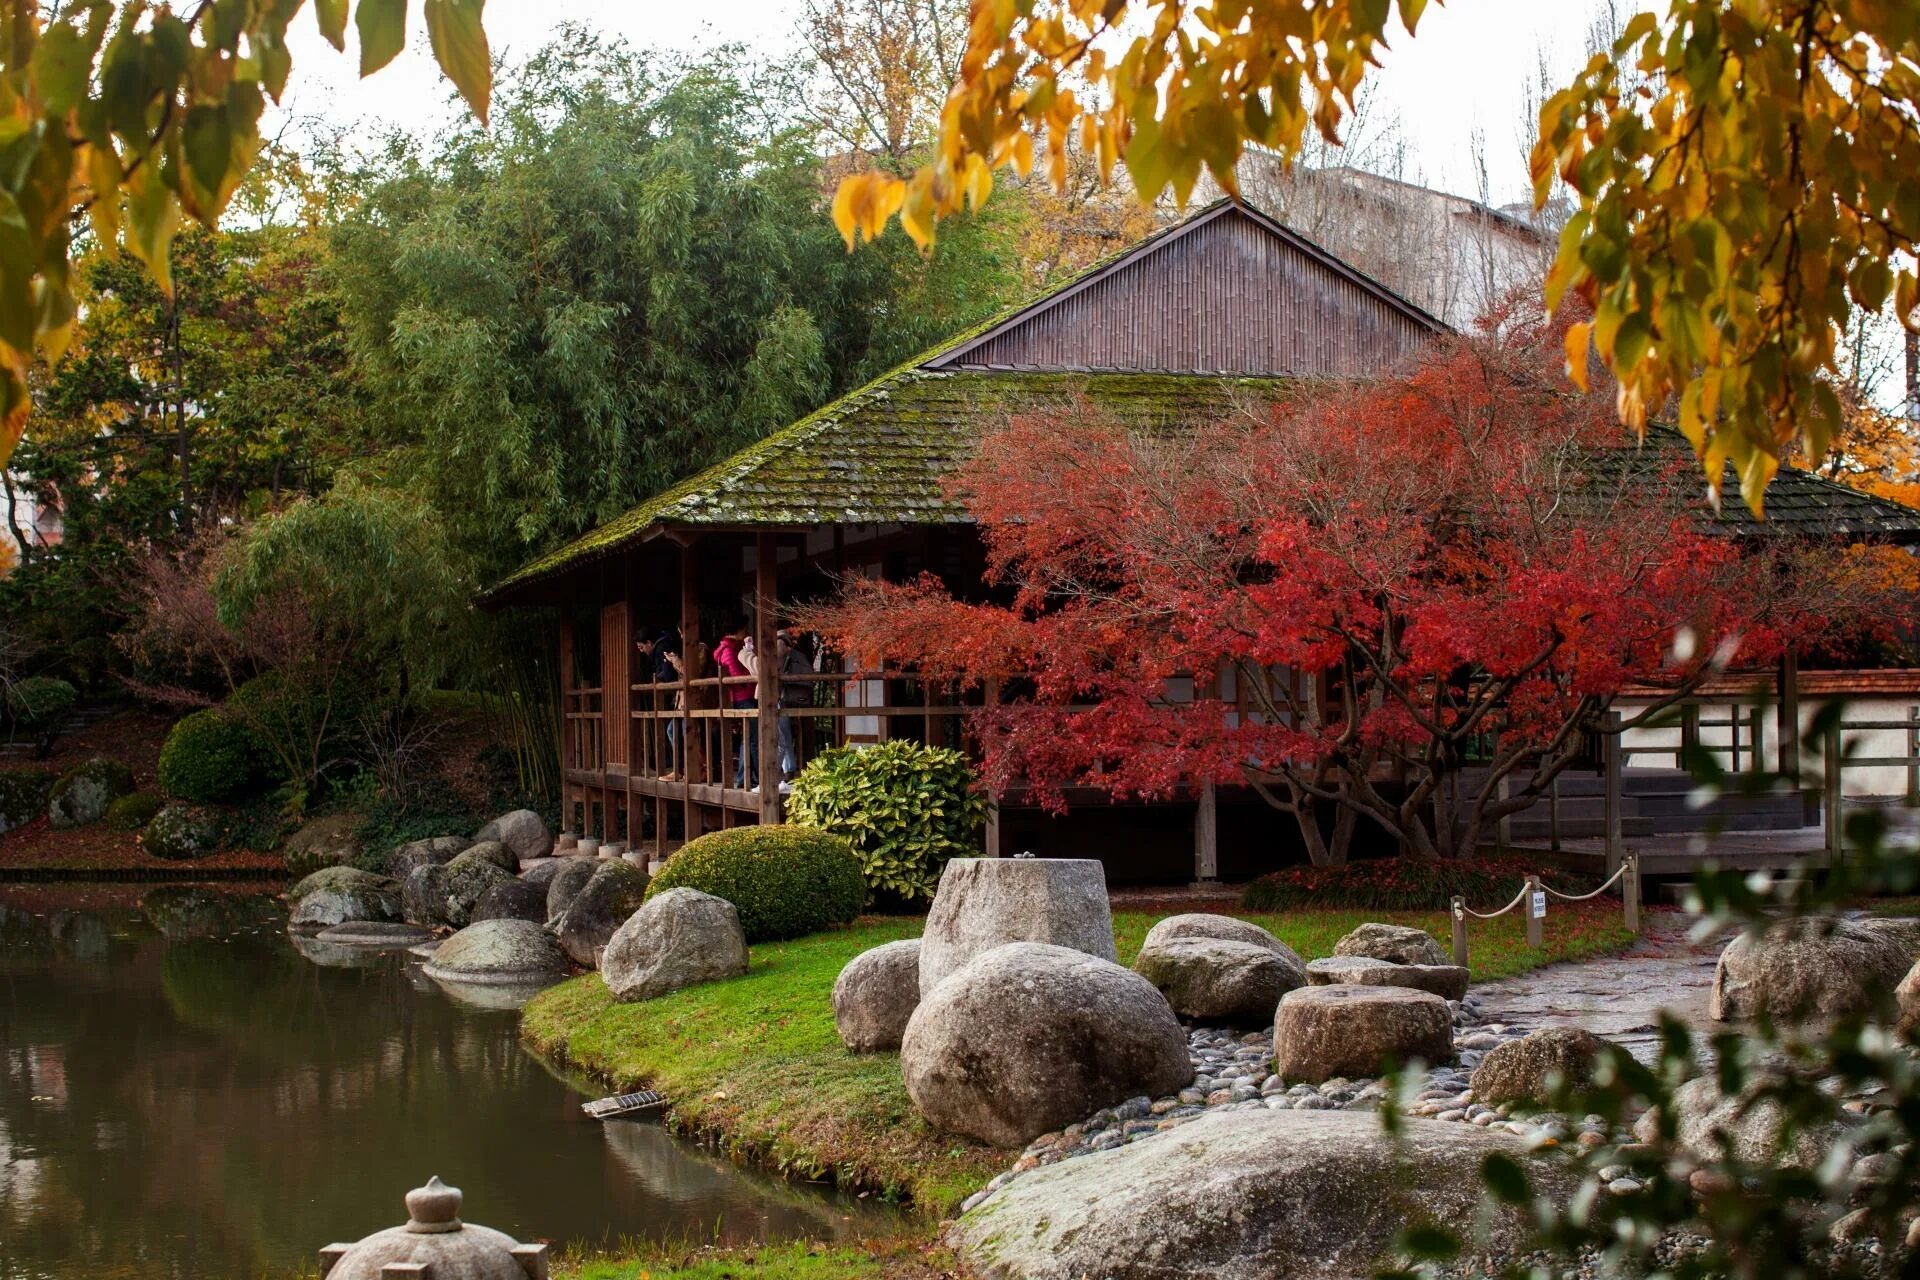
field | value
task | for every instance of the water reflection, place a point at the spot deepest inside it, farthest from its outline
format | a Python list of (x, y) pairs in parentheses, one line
[(185, 1092)]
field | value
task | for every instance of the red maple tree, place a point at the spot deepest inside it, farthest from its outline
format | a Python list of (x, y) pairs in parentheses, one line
[(1409, 602)]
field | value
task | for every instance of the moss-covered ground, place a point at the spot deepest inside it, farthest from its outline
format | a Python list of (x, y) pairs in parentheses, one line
[(753, 1064)]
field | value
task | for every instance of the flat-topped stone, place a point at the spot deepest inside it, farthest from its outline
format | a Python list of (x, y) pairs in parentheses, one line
[(374, 933), (1322, 1032), (1448, 981), (983, 903), (505, 951)]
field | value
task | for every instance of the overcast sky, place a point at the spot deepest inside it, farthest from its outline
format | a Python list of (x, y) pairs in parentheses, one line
[(1468, 69)]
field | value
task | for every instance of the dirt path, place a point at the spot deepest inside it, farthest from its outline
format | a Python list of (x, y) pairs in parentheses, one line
[(1618, 997)]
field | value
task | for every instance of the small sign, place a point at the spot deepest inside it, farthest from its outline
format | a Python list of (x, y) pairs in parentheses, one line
[(1539, 904)]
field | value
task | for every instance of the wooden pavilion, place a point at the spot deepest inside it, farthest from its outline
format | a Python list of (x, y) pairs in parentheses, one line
[(1224, 308)]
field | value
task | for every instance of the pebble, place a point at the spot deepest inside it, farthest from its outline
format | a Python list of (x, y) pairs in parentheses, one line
[(1623, 1187)]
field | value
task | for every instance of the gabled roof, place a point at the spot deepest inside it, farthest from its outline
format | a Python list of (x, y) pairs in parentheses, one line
[(880, 454)]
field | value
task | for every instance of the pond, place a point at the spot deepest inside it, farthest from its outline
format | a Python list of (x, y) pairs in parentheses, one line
[(183, 1094)]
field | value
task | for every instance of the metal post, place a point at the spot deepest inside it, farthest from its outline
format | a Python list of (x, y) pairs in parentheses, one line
[(1831, 802), (1630, 892), (1612, 764), (1534, 908), (1458, 909)]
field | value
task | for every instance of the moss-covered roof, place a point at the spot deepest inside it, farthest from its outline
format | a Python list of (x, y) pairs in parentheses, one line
[(880, 455)]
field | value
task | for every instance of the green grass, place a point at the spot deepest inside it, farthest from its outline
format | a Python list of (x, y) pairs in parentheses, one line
[(754, 1064), (798, 1260)]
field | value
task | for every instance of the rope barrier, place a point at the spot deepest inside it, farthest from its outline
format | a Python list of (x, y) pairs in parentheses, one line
[(1518, 898), (1582, 897)]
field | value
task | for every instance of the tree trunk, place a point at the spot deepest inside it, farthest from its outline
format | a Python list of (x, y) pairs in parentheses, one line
[(180, 413)]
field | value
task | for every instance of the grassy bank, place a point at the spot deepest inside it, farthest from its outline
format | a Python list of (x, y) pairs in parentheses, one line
[(753, 1063), (875, 1260)]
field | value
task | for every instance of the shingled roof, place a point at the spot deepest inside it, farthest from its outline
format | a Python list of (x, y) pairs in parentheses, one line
[(881, 454)]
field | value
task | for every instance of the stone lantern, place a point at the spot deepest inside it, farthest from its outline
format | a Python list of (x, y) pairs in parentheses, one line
[(435, 1245)]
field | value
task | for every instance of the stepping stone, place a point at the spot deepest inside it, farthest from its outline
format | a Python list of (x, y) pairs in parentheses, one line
[(374, 933), (1448, 981), (1350, 1030)]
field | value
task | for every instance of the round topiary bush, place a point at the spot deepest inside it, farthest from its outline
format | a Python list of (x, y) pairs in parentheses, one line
[(184, 832), (209, 758), (23, 795), (131, 813), (784, 881), (904, 807)]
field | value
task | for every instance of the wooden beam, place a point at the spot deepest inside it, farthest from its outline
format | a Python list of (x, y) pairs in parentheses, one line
[(766, 605), (1206, 837)]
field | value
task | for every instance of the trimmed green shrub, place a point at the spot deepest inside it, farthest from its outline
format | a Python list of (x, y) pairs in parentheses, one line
[(84, 792), (23, 795), (131, 813), (184, 832), (40, 708), (905, 808), (308, 726), (209, 758), (1402, 884), (784, 881)]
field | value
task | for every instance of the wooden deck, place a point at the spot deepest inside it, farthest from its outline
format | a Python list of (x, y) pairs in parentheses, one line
[(1683, 853)]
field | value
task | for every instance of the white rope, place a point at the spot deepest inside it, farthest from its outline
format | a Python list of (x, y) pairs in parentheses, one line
[(1489, 915), (1582, 897)]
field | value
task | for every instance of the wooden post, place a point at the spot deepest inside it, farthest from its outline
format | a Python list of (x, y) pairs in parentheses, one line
[(1689, 729), (1206, 837), (1458, 909), (1553, 814), (1504, 828), (1790, 717), (1630, 892), (992, 849), (693, 750), (1533, 908), (1612, 765), (1831, 801), (766, 721), (1758, 729), (1913, 756), (568, 834)]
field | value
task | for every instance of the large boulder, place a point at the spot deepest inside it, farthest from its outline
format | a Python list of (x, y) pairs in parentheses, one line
[(332, 841), (1220, 980), (876, 994), (447, 895), (1520, 1070), (508, 951), (435, 851), (1810, 970), (523, 831), (1448, 981), (1906, 998), (514, 899), (383, 935), (82, 794), (490, 851), (1201, 924), (1393, 942), (1308, 1195), (335, 895), (566, 882), (1709, 1122), (541, 871), (1032, 1036), (1322, 1032), (676, 939), (184, 832), (983, 903), (613, 892)]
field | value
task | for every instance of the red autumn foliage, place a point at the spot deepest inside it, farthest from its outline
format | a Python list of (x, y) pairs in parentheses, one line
[(1374, 583)]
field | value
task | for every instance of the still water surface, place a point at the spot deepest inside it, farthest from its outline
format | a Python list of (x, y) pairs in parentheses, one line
[(183, 1093)]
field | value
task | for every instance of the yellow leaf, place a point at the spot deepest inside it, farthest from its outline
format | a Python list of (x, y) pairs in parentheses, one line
[(979, 180), (1576, 343), (843, 208), (332, 16), (14, 400), (460, 46), (153, 219)]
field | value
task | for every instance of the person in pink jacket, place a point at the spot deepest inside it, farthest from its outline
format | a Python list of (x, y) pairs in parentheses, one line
[(733, 656)]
